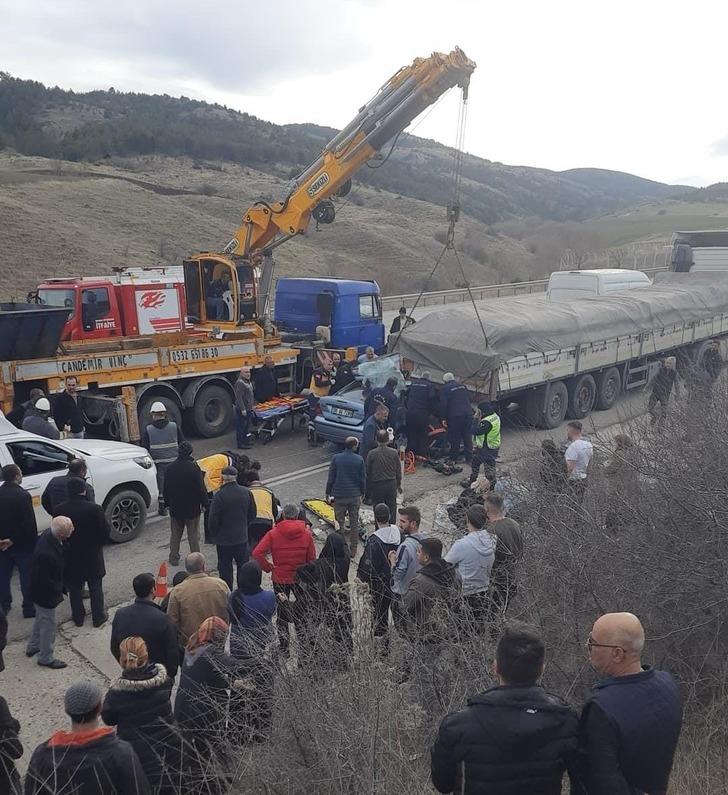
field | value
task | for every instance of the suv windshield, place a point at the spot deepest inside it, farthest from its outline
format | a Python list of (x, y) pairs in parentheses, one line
[(60, 298)]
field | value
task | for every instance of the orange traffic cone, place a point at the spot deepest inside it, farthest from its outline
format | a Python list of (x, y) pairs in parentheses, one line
[(161, 589)]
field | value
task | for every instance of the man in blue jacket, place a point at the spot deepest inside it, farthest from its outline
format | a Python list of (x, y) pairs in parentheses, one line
[(456, 410), (421, 401), (631, 724), (345, 487)]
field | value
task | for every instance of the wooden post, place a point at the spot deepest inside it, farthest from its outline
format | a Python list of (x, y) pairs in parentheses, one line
[(128, 398)]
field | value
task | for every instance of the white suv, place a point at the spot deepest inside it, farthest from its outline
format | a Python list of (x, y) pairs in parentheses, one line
[(123, 475)]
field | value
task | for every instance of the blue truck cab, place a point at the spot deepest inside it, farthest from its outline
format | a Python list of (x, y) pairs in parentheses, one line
[(352, 310)]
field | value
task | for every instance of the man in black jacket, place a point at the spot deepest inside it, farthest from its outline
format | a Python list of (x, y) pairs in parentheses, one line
[(265, 381), (186, 498), (514, 739), (232, 510), (56, 492), (67, 412), (88, 759), (631, 724), (85, 553), (47, 589), (147, 620), (18, 532)]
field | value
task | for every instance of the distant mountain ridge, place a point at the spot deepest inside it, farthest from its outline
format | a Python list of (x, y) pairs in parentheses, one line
[(55, 123)]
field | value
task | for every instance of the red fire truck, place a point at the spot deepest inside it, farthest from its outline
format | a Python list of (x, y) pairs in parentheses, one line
[(131, 302)]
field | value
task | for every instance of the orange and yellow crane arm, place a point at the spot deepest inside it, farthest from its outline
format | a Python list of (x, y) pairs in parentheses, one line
[(401, 99)]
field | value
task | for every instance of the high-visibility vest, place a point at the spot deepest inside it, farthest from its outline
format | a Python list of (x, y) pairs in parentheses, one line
[(163, 446), (213, 466), (493, 439), (263, 502)]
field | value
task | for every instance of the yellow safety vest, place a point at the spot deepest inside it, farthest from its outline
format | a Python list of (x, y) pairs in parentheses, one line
[(263, 502)]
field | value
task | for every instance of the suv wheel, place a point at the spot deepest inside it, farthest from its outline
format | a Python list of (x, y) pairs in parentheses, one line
[(126, 513)]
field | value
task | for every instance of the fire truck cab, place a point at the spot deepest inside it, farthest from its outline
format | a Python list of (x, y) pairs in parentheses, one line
[(130, 303)]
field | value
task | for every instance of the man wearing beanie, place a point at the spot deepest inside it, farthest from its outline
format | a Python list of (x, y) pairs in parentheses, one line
[(185, 496), (85, 552), (89, 758)]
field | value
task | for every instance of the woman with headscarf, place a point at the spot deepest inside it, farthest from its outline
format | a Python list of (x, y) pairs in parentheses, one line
[(251, 611), (311, 608), (335, 554), (138, 704)]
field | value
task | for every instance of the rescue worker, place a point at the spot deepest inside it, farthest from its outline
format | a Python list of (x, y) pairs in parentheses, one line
[(320, 386), (486, 441), (343, 375), (321, 380), (456, 411), (383, 394), (420, 404), (162, 438)]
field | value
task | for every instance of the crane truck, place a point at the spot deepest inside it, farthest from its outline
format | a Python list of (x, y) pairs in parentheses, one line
[(228, 324)]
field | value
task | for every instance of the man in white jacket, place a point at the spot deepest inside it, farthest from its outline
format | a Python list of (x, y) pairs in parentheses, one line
[(473, 557)]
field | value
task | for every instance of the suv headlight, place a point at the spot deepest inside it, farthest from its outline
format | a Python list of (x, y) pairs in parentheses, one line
[(145, 462)]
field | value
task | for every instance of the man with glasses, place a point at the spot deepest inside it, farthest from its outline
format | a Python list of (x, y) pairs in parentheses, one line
[(631, 723)]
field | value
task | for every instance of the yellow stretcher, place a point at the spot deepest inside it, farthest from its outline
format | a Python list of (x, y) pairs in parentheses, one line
[(321, 509)]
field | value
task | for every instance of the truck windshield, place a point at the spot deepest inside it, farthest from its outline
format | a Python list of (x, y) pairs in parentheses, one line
[(60, 298)]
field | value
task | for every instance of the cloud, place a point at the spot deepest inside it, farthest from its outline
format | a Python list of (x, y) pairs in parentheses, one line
[(720, 147), (236, 46)]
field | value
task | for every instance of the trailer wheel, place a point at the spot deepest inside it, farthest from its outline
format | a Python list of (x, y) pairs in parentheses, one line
[(609, 386), (126, 513), (582, 393), (557, 401), (212, 412)]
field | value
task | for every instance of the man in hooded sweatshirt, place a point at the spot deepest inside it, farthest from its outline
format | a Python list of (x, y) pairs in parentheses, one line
[(473, 557), (513, 739), (375, 571), (89, 758), (289, 544)]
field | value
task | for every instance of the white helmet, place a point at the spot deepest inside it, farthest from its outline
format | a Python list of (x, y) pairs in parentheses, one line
[(42, 404), (157, 407)]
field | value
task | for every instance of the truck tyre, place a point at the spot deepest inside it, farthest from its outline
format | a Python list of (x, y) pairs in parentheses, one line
[(582, 393), (212, 411), (557, 401), (126, 513), (174, 413), (609, 387)]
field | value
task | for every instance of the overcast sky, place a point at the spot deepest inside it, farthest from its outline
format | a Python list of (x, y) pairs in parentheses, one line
[(633, 86)]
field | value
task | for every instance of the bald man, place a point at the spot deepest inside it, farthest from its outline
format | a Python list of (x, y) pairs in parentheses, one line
[(46, 590), (631, 724)]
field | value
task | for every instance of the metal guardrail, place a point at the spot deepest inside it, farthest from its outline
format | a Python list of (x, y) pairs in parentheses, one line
[(439, 297)]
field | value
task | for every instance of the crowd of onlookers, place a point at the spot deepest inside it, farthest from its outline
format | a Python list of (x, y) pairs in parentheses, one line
[(223, 640)]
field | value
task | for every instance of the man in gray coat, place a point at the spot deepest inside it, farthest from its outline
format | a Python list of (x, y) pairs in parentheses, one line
[(231, 512), (244, 400)]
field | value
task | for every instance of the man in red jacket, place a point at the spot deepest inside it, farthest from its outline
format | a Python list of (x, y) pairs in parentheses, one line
[(289, 544)]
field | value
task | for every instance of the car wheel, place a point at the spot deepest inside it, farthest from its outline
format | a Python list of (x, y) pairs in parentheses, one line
[(126, 513)]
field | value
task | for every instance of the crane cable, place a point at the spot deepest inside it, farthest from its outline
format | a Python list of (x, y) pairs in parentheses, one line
[(453, 215)]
